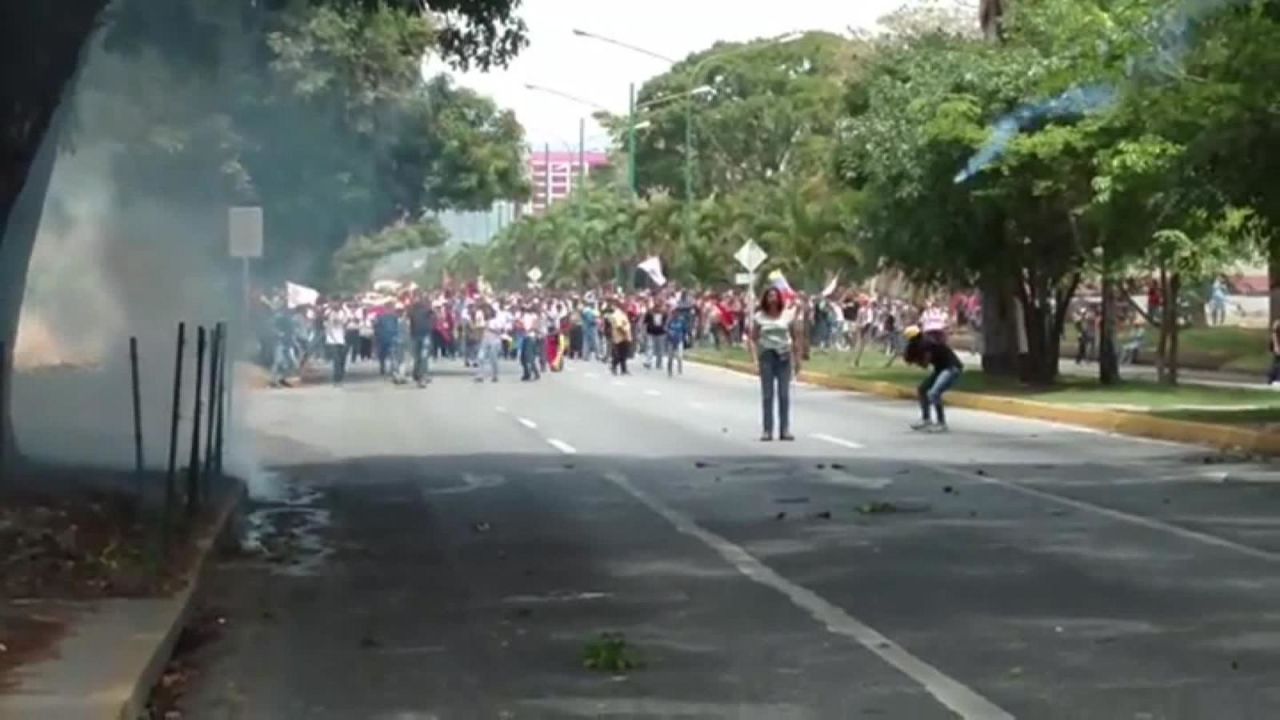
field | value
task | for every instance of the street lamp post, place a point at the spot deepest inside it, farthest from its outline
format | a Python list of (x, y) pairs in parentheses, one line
[(688, 118)]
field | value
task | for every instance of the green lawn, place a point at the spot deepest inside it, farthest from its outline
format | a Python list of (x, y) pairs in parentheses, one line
[(1188, 402), (1233, 349)]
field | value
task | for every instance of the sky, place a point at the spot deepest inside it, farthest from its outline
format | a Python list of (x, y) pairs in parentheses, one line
[(600, 73)]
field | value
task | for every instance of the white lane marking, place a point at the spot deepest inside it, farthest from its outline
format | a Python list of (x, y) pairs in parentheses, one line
[(652, 393), (960, 699), (838, 441), (562, 446), (590, 375), (697, 405), (501, 409), (1121, 516), (470, 483), (527, 423), (838, 478), (618, 383)]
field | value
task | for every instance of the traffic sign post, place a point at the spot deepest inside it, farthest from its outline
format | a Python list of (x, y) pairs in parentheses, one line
[(750, 256), (244, 241)]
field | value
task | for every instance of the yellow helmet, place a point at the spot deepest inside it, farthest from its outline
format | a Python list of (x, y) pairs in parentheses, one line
[(910, 332)]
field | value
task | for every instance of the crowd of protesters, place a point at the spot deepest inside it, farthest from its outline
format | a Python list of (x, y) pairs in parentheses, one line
[(404, 333)]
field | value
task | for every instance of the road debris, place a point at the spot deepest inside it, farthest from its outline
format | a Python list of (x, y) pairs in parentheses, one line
[(877, 507), (610, 653)]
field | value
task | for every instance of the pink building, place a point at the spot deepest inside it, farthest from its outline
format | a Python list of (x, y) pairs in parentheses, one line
[(554, 175)]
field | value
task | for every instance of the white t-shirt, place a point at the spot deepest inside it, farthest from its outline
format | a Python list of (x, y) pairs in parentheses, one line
[(335, 326)]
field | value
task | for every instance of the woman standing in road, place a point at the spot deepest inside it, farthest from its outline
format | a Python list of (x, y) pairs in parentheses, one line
[(772, 341)]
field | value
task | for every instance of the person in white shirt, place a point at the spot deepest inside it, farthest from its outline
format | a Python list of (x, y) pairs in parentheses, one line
[(495, 323), (336, 320), (531, 347)]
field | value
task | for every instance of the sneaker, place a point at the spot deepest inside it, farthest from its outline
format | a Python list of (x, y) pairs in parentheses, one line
[(766, 437), (937, 428), (787, 437), (922, 425)]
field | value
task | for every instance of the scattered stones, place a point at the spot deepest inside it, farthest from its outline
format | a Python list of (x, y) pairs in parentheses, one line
[(824, 515), (1235, 665), (368, 642), (701, 465), (821, 466), (948, 489), (837, 466), (781, 515), (480, 527), (980, 472), (877, 507), (792, 500)]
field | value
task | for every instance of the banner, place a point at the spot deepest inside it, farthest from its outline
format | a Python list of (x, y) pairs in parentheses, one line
[(653, 268), (300, 295)]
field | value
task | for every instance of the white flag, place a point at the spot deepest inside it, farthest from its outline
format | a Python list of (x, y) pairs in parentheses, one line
[(300, 295), (653, 268), (831, 286)]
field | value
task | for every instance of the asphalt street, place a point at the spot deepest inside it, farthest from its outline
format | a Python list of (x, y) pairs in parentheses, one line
[(452, 550)]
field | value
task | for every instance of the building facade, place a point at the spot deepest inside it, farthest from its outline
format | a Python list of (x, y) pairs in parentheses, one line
[(554, 176)]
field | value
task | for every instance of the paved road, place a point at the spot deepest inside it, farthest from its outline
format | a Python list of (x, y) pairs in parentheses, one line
[(460, 545)]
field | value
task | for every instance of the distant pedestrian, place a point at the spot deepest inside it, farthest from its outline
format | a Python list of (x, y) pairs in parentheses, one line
[(620, 340), (772, 342), (335, 337)]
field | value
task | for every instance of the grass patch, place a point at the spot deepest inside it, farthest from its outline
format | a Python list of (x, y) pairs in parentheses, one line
[(609, 653), (1183, 402)]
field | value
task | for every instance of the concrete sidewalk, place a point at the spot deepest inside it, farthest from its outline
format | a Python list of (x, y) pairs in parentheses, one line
[(114, 650)]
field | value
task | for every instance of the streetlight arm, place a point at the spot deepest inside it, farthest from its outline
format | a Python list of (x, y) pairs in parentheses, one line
[(565, 95), (627, 46)]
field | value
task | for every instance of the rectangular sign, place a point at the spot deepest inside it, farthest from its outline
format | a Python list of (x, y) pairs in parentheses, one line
[(743, 278), (244, 232)]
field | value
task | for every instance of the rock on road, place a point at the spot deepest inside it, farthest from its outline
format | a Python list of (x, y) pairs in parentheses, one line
[(461, 544)]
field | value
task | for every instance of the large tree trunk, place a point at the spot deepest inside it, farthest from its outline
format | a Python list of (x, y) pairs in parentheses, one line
[(1273, 276), (1162, 347), (1108, 360), (999, 328), (41, 44), (1171, 322)]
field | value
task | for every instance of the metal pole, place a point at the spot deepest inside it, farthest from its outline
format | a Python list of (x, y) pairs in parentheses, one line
[(138, 461), (582, 154), (215, 357), (688, 171), (631, 141), (170, 479), (5, 416), (193, 463), (223, 395), (546, 177)]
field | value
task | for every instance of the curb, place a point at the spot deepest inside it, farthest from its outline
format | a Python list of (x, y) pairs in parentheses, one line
[(1222, 437), (140, 690)]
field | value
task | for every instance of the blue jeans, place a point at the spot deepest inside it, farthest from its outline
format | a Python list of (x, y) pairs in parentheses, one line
[(421, 357), (530, 355), (931, 390), (338, 356), (282, 361), (590, 343), (775, 378), (490, 349), (675, 353), (657, 349)]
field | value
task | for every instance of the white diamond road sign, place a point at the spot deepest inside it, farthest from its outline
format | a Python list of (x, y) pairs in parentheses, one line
[(750, 255), (534, 274)]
